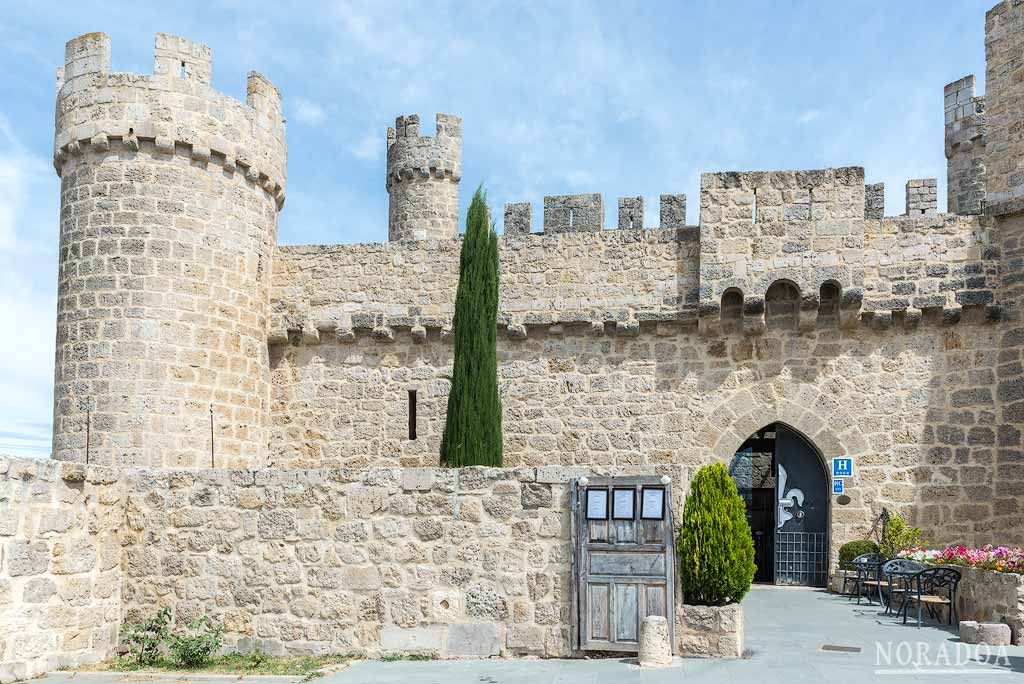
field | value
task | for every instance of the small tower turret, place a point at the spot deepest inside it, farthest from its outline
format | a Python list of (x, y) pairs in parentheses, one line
[(965, 147), (423, 179)]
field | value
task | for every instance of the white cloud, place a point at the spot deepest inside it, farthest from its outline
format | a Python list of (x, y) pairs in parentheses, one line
[(309, 112), (18, 169), (808, 116), (369, 147), (28, 244)]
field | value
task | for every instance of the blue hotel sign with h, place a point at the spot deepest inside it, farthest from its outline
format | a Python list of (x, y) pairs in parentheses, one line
[(842, 467)]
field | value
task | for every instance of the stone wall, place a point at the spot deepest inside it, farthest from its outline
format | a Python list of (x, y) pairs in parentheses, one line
[(60, 569), (759, 227), (578, 276), (621, 277), (1004, 103), (987, 596), (943, 262), (474, 562), (915, 406)]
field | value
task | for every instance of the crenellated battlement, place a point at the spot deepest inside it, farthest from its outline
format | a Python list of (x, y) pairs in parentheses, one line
[(171, 111), (423, 174)]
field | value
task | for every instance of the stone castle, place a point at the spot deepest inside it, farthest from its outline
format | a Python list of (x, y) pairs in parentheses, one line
[(204, 369)]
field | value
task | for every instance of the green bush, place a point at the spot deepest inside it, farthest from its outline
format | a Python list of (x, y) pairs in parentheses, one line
[(898, 536), (145, 638), (716, 550), (472, 427), (858, 547), (197, 644)]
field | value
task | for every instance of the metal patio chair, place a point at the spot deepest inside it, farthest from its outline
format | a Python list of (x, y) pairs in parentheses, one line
[(933, 588), (867, 567)]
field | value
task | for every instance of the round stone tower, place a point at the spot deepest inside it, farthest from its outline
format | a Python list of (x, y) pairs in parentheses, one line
[(170, 193), (423, 179)]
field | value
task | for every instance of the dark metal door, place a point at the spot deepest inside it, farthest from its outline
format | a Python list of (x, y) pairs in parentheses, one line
[(761, 517), (801, 534), (753, 472), (623, 560)]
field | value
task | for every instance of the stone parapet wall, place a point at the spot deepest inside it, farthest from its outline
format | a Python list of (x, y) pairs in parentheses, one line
[(757, 227), (469, 562), (60, 565), (616, 279), (461, 563), (915, 263), (545, 279)]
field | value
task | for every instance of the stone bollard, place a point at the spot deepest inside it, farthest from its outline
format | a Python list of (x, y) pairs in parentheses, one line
[(990, 633), (655, 648)]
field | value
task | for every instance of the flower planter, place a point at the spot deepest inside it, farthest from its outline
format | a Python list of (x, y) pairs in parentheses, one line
[(710, 631), (991, 596)]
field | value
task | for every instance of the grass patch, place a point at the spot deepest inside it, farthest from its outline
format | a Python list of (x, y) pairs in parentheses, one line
[(254, 663), (408, 655)]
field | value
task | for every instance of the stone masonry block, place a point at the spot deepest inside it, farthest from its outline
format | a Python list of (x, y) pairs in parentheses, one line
[(673, 211), (412, 639), (417, 479), (631, 213), (573, 213), (518, 218), (874, 201), (473, 640), (990, 633)]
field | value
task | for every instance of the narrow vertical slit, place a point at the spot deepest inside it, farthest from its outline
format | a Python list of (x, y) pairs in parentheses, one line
[(753, 216), (412, 414), (181, 71), (571, 217)]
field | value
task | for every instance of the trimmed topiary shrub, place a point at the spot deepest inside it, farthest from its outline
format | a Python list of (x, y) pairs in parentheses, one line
[(852, 549), (716, 549)]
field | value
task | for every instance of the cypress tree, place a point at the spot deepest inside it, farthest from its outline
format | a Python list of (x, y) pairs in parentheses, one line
[(472, 428), (716, 550)]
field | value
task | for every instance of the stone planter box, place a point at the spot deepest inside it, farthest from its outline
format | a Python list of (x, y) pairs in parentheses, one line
[(710, 631), (982, 596), (989, 596)]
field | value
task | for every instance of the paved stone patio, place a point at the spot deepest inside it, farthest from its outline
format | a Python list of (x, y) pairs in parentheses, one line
[(786, 630)]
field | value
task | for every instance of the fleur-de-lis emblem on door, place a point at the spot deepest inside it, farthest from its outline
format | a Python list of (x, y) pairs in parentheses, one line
[(790, 499)]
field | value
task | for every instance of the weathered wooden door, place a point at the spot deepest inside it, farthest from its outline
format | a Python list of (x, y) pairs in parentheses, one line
[(623, 560)]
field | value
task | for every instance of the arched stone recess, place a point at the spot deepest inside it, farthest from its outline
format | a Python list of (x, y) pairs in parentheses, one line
[(831, 425)]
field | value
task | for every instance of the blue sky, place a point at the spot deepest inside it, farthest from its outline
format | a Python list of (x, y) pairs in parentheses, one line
[(556, 97)]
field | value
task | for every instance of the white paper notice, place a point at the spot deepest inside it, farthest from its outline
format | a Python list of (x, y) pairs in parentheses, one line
[(622, 504), (653, 504), (597, 504)]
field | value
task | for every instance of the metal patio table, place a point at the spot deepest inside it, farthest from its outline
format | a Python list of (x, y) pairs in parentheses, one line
[(902, 572)]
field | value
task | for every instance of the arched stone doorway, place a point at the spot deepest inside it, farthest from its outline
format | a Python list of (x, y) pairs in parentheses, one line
[(782, 478)]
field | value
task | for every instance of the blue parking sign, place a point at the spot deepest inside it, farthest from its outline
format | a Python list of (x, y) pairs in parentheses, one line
[(838, 486), (842, 467)]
